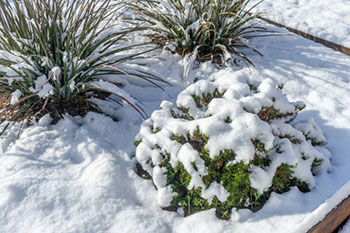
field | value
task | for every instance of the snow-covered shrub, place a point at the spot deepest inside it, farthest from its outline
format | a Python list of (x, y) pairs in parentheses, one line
[(229, 143), (56, 55), (201, 29)]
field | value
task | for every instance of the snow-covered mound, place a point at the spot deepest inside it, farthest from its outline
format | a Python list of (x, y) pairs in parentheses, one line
[(230, 142)]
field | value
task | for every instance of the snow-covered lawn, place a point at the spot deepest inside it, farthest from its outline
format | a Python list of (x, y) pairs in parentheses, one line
[(327, 19)]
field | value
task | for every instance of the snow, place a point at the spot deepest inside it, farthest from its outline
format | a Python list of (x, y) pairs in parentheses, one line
[(15, 97), (215, 189), (346, 228), (78, 175), (46, 90), (327, 19), (56, 72), (45, 120), (187, 155), (42, 87), (324, 208)]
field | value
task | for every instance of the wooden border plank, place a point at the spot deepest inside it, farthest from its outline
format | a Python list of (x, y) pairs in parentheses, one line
[(333, 219), (329, 44)]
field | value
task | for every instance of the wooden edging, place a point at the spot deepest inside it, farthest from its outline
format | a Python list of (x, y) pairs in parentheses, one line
[(329, 44), (333, 219)]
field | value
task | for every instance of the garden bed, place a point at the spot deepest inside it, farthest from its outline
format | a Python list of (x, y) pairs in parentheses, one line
[(79, 175)]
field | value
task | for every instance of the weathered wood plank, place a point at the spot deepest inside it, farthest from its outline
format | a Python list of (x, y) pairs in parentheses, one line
[(329, 44), (333, 219)]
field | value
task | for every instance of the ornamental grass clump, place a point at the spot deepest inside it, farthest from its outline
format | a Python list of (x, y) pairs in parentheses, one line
[(229, 143), (58, 55), (201, 29)]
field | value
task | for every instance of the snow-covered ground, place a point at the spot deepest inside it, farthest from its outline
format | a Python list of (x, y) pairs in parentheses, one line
[(78, 175), (327, 19)]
